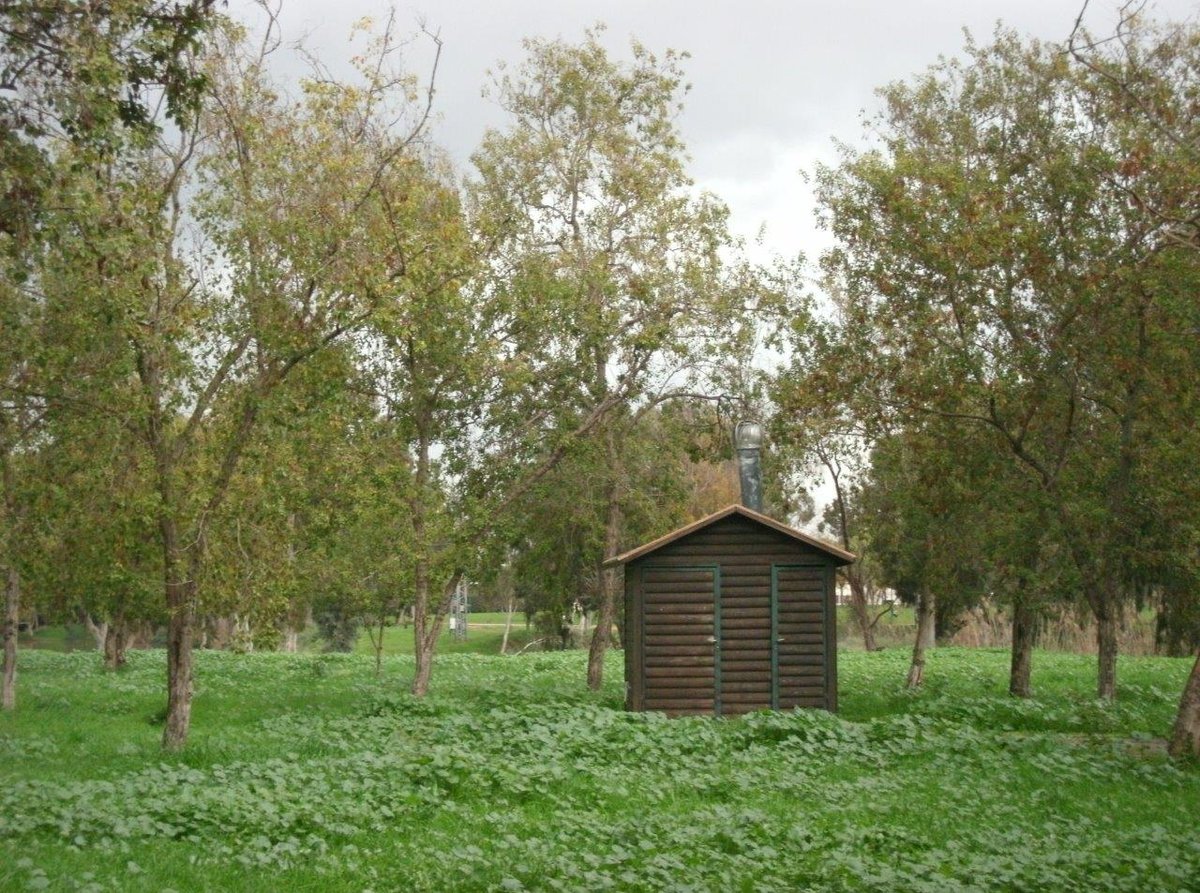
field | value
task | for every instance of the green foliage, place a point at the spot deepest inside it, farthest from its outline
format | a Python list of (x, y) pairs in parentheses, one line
[(338, 628), (559, 539), (515, 778), (92, 72), (1014, 337)]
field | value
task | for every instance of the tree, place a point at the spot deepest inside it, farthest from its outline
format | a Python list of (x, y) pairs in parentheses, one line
[(559, 543), (1141, 82), (90, 78), (94, 530), (430, 365), (811, 446), (605, 247), (230, 254), (994, 273)]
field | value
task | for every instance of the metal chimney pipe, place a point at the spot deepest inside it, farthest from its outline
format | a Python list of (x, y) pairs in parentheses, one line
[(747, 441)]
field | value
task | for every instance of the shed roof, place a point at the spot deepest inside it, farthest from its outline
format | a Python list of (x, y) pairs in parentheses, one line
[(835, 552)]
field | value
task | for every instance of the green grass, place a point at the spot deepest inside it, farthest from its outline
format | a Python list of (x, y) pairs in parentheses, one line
[(72, 637), (485, 633), (306, 772)]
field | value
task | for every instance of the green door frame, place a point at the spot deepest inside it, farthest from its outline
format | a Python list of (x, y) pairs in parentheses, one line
[(716, 572)]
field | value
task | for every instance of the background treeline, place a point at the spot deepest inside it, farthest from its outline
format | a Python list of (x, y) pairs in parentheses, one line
[(1010, 357), (269, 359)]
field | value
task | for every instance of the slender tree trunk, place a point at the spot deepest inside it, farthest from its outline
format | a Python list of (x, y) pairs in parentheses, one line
[(180, 590), (926, 616), (425, 628), (422, 647), (858, 596), (115, 644), (424, 672), (858, 607), (608, 580), (293, 620), (12, 619), (1024, 635), (12, 587), (1106, 641), (1100, 587), (377, 644), (929, 630), (512, 607), (425, 643), (1185, 739)]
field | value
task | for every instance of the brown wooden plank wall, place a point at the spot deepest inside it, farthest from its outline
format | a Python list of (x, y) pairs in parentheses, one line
[(745, 552)]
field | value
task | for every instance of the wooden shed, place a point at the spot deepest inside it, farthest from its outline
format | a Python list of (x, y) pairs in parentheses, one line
[(732, 613)]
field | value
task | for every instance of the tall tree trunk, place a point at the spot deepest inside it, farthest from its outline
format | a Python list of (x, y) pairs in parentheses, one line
[(1106, 641), (12, 587), (423, 649), (858, 607), (512, 607), (1103, 596), (115, 644), (926, 616), (180, 591), (609, 583), (1024, 635), (1185, 739), (422, 646), (858, 596), (12, 619), (928, 631), (425, 628), (425, 642), (295, 619), (377, 643)]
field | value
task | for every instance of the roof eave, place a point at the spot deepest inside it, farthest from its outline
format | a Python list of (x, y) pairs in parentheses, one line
[(842, 556)]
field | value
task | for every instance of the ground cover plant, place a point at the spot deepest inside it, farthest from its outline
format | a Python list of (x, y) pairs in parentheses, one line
[(306, 772)]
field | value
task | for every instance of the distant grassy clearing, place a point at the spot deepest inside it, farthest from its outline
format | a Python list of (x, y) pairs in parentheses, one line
[(306, 772), (485, 632)]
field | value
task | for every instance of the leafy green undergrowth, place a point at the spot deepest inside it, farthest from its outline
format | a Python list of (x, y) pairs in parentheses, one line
[(306, 772)]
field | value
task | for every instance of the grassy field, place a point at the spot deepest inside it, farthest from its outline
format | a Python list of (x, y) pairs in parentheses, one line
[(306, 772), (485, 632)]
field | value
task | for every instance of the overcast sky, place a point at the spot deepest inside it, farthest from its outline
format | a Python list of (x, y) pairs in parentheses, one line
[(773, 83)]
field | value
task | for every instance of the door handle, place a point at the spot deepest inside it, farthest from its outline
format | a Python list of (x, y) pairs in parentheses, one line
[(712, 639), (779, 639)]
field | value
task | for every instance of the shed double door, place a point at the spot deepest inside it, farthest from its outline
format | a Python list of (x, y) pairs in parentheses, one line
[(733, 648)]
